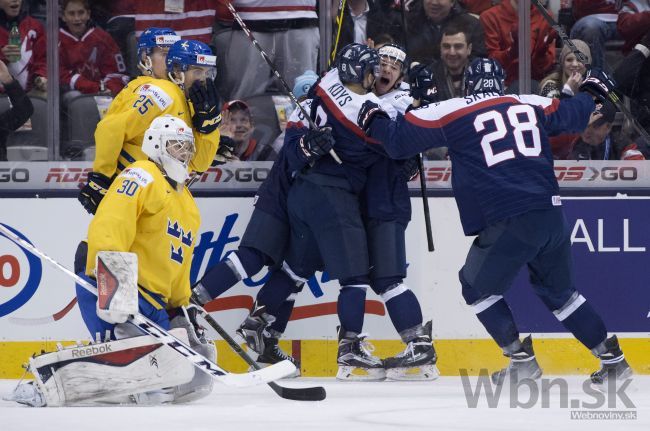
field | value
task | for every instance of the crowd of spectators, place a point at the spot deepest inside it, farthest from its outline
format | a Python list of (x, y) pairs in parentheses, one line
[(97, 51)]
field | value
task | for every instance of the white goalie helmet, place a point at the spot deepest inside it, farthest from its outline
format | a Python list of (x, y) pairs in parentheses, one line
[(169, 143)]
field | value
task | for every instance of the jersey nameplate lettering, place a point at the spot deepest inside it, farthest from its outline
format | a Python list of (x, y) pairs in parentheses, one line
[(162, 99), (139, 175)]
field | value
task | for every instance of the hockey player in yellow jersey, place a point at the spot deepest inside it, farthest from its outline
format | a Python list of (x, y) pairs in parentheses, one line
[(190, 69), (149, 211), (140, 246)]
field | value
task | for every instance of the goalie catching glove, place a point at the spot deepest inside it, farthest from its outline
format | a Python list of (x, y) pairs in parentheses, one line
[(205, 100), (94, 191)]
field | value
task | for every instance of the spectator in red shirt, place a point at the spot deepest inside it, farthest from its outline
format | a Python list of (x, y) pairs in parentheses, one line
[(90, 61), (596, 24), (27, 62), (633, 22), (477, 6), (501, 40)]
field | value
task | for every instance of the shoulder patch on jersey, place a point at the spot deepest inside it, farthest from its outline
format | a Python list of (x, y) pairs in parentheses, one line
[(137, 174), (162, 99)]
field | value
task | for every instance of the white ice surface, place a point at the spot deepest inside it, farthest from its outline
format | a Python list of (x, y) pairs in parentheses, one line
[(407, 406)]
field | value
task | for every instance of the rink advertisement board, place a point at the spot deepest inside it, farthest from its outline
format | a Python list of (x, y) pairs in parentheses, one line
[(611, 237), (47, 177)]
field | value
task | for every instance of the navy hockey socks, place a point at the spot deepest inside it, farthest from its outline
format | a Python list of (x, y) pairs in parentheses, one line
[(282, 316), (275, 291), (495, 315), (351, 306), (579, 317), (401, 303), (238, 265)]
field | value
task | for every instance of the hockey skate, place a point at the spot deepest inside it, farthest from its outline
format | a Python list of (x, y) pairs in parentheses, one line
[(273, 353), (417, 362), (252, 328), (612, 365), (355, 360), (523, 365)]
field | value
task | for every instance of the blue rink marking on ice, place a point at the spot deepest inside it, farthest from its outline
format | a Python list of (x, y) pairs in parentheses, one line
[(439, 405)]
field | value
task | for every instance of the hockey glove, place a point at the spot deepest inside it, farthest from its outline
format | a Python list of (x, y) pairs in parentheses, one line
[(423, 83), (410, 169), (225, 152), (369, 110), (315, 144), (598, 84), (94, 191), (205, 100)]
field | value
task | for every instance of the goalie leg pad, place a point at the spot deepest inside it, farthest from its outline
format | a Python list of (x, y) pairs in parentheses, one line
[(84, 374)]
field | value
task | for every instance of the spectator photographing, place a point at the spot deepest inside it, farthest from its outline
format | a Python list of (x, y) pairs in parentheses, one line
[(89, 58), (237, 135), (21, 108), (24, 56)]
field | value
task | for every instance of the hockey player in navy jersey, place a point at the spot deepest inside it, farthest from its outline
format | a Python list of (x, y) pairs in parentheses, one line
[(386, 210), (507, 194), (327, 230), (386, 205)]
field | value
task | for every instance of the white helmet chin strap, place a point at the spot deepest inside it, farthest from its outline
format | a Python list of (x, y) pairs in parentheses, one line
[(147, 67), (180, 82)]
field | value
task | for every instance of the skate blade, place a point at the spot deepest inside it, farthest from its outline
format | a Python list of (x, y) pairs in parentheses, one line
[(504, 378), (607, 387), (351, 373), (290, 376), (421, 373)]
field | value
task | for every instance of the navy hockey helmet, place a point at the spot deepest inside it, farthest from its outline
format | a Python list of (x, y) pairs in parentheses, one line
[(186, 53), (354, 61), (156, 37), (484, 75), (395, 53)]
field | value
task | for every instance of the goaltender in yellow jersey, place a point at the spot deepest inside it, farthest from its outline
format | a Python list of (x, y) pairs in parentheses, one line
[(154, 216)]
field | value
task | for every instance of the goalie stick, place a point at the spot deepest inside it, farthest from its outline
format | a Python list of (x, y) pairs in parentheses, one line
[(265, 375), (316, 393), (583, 59), (274, 69)]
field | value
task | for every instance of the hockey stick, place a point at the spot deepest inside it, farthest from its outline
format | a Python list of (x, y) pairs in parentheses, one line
[(35, 321), (420, 159), (583, 59), (274, 69), (266, 375), (339, 24), (298, 394)]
